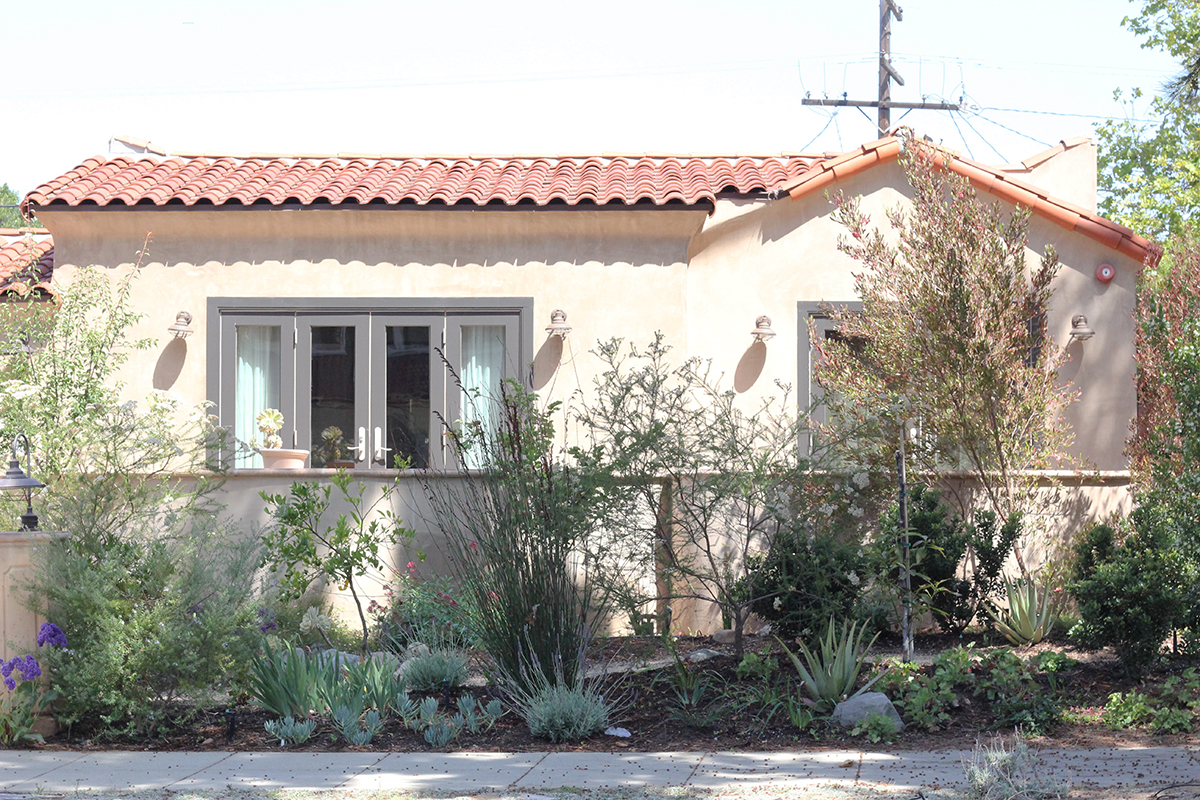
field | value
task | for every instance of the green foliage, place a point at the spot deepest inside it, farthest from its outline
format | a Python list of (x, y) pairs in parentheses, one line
[(433, 670), (711, 492), (429, 610), (564, 713), (690, 703), (829, 674), (1129, 592), (806, 578), (925, 697), (1028, 616), (289, 730), (1003, 771), (1126, 710), (12, 217), (305, 547), (517, 531), (757, 666), (20, 707), (1018, 701), (151, 620), (1150, 171), (284, 680), (358, 731), (876, 728), (944, 338)]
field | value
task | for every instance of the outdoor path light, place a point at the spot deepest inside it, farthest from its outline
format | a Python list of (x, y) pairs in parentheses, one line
[(16, 480)]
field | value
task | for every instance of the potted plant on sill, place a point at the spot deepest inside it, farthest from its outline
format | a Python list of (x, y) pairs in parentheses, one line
[(331, 451), (274, 455)]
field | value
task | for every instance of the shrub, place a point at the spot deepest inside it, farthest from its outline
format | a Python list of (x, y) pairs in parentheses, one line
[(804, 579), (151, 619), (284, 681), (566, 713), (876, 728), (1128, 591), (429, 610), (1006, 771), (289, 730), (924, 697), (433, 670)]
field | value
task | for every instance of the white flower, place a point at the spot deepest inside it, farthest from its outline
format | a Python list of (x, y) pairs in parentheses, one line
[(853, 579), (855, 511), (826, 509), (778, 604), (861, 480)]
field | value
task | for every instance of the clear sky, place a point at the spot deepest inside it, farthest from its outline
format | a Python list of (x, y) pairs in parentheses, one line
[(472, 76)]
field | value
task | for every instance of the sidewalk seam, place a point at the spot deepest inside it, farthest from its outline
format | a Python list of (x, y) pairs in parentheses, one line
[(381, 759), (197, 772), (532, 767), (46, 772), (695, 768)]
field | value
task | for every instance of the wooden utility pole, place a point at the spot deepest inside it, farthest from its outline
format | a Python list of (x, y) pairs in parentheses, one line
[(887, 74)]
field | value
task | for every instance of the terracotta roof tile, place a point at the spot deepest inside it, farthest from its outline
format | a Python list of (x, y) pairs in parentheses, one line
[(225, 181), (992, 180), (26, 261)]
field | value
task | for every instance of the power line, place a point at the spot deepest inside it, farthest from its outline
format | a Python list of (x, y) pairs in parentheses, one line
[(1059, 114), (1013, 130)]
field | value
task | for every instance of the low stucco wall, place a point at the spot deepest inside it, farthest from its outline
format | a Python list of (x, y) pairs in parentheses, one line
[(18, 625)]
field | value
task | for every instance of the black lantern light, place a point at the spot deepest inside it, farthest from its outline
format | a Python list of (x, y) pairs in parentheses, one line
[(15, 480)]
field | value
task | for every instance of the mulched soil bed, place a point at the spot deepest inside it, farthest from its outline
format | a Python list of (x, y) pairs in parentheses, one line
[(649, 719)]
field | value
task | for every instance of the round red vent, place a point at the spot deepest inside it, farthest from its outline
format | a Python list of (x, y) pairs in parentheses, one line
[(1105, 273)]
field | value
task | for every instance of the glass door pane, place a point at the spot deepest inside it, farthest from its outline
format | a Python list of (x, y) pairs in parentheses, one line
[(483, 348), (332, 372), (405, 389)]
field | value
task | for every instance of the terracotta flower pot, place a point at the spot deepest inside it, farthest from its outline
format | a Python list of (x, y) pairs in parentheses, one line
[(280, 458)]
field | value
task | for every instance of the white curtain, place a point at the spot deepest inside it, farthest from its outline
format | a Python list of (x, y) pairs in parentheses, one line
[(258, 378), (481, 372)]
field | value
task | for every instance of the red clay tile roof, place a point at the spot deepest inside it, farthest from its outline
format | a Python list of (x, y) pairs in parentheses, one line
[(26, 261), (149, 180), (992, 180)]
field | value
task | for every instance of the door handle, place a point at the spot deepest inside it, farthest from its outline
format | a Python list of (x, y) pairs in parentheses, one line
[(361, 450), (379, 448)]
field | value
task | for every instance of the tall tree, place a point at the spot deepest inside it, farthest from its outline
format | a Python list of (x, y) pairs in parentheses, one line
[(1150, 171), (949, 338)]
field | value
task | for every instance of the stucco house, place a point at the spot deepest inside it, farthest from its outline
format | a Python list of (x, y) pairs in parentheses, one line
[(323, 285)]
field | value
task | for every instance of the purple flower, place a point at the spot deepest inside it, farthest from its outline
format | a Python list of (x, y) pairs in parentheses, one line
[(10, 683), (52, 635), (30, 668), (6, 667), (266, 618)]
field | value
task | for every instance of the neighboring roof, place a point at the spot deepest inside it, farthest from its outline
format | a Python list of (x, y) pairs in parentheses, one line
[(993, 180), (26, 261), (244, 181)]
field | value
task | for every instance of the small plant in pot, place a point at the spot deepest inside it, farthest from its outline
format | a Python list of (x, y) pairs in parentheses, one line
[(333, 450), (270, 423)]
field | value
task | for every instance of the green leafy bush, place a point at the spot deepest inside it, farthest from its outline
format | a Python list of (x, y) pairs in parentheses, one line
[(804, 579), (925, 697), (1128, 590), (1126, 710), (151, 619), (284, 680), (429, 610), (435, 669), (876, 728)]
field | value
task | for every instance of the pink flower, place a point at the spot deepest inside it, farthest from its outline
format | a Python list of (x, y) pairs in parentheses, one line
[(473, 545), (412, 567)]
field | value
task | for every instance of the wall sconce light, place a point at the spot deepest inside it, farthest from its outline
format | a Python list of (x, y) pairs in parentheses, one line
[(558, 324), (1080, 330), (762, 330), (182, 327), (15, 479)]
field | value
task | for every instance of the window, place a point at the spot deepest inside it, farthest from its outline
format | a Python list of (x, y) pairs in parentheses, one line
[(360, 381), (811, 393)]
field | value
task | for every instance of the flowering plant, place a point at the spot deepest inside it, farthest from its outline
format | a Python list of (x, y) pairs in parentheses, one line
[(270, 423), (20, 673)]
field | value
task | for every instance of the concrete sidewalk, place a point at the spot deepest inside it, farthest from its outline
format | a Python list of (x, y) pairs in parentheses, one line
[(29, 771)]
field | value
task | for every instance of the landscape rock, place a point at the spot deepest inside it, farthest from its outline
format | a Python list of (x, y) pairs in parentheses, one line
[(624, 734), (724, 636), (850, 712), (703, 654)]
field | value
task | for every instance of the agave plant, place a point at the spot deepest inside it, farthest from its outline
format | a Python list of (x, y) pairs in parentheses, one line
[(1028, 618), (829, 676)]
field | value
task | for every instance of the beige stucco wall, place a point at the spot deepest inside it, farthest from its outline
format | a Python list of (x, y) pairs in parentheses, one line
[(18, 625), (618, 272)]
